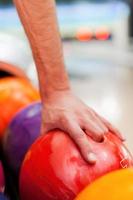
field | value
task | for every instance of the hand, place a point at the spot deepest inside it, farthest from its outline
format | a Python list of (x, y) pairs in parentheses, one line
[(66, 112)]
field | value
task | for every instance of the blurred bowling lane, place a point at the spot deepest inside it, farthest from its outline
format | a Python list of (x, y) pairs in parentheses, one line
[(106, 86)]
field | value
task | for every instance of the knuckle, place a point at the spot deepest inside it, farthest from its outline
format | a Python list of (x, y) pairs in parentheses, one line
[(80, 135)]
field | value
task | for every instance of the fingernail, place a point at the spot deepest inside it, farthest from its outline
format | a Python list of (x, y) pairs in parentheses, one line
[(92, 158), (121, 137)]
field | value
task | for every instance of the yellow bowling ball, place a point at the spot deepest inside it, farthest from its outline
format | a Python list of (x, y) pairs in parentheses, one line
[(113, 186)]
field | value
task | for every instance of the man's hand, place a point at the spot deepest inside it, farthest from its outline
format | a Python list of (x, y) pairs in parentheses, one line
[(64, 111), (61, 109)]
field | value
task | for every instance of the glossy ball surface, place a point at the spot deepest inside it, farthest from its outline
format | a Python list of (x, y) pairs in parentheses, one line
[(54, 168)]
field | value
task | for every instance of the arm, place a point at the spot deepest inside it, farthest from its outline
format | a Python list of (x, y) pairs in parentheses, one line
[(61, 109), (40, 23)]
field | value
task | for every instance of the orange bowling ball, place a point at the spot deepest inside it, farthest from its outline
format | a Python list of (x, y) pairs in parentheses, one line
[(117, 185), (15, 93), (7, 69)]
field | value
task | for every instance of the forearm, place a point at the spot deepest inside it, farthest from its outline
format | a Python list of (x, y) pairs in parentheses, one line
[(40, 23)]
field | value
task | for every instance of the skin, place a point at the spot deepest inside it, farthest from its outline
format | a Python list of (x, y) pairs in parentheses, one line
[(61, 108)]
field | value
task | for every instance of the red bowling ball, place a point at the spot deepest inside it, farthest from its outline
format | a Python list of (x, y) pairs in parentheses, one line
[(54, 168)]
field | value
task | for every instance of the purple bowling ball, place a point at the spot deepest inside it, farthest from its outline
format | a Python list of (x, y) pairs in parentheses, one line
[(21, 133)]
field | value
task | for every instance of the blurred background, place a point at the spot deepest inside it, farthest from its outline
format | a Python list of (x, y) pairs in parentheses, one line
[(98, 51)]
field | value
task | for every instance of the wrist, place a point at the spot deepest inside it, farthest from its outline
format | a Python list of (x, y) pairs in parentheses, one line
[(51, 93)]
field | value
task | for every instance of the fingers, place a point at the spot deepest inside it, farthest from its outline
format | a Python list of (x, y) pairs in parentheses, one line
[(98, 121), (110, 127), (94, 127), (81, 139), (114, 130), (98, 124), (95, 134)]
